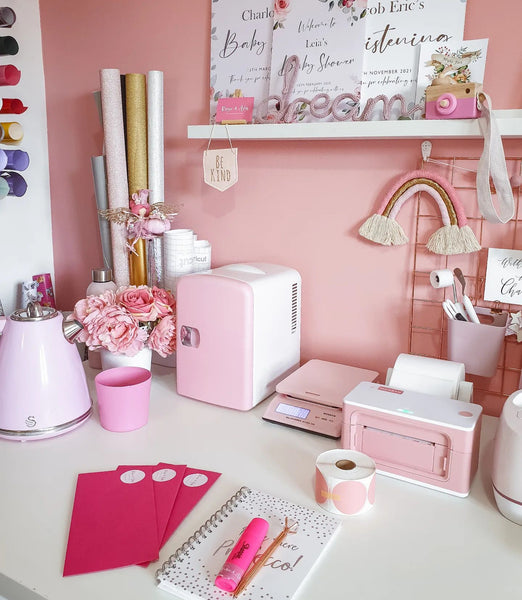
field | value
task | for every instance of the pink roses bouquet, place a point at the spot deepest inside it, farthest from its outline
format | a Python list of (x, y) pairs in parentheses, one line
[(128, 320)]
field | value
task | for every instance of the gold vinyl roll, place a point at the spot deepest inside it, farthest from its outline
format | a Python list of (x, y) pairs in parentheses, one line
[(136, 111), (138, 264)]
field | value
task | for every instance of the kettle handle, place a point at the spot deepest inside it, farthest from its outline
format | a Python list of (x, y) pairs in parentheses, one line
[(71, 329)]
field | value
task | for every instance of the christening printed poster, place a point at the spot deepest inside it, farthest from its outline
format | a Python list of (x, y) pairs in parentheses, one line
[(241, 39), (328, 39), (395, 29)]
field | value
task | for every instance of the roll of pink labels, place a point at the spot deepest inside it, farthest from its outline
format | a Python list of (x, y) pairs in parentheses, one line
[(345, 482)]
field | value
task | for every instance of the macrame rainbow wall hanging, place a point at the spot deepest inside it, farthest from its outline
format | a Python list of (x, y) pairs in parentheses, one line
[(454, 237)]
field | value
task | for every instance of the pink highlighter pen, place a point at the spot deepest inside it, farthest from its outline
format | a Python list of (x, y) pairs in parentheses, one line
[(242, 555)]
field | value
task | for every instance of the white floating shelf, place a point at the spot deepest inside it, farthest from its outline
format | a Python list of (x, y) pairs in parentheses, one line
[(509, 124)]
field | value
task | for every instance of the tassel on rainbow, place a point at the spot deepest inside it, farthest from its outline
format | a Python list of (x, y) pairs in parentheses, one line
[(454, 237)]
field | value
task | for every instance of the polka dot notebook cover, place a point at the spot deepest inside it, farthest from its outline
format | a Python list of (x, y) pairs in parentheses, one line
[(190, 572)]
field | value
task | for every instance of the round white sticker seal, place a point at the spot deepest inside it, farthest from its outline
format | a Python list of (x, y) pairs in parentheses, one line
[(195, 480), (132, 476), (164, 475)]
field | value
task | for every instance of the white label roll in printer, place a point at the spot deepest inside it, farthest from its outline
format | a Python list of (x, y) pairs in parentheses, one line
[(430, 376)]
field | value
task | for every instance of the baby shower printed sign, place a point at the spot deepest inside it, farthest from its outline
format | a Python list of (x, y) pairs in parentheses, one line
[(504, 276), (241, 39), (328, 39), (395, 30)]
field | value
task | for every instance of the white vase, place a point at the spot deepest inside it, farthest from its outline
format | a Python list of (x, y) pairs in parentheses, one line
[(109, 360)]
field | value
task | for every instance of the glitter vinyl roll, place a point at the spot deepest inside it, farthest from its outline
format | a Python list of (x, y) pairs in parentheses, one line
[(345, 482), (136, 118), (117, 183), (136, 115)]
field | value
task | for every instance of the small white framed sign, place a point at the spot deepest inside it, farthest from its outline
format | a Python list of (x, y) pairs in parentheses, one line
[(504, 276)]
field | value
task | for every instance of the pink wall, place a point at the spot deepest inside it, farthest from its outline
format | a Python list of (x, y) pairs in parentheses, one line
[(297, 203)]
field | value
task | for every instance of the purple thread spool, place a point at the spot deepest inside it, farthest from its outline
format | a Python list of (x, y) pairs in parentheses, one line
[(17, 184), (17, 160)]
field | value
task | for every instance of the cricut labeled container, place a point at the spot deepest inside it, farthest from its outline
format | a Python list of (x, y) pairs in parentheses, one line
[(239, 332), (478, 345)]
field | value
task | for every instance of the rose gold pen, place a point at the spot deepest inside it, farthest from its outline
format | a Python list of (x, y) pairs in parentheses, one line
[(253, 570)]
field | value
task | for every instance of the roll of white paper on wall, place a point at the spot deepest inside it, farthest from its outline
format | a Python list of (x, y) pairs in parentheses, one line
[(441, 278), (345, 482), (155, 136), (427, 375), (102, 203)]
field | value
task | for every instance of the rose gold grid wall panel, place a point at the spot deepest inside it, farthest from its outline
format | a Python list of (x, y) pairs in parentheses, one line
[(428, 323)]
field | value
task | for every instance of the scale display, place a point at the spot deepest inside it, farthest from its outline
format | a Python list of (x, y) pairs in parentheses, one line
[(311, 397), (292, 411), (304, 414)]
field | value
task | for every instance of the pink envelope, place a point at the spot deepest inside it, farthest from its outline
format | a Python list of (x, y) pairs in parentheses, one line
[(166, 491), (113, 522), (166, 481), (196, 483)]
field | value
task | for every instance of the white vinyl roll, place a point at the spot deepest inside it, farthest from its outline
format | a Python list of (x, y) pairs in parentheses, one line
[(345, 482), (155, 136), (441, 278), (427, 375)]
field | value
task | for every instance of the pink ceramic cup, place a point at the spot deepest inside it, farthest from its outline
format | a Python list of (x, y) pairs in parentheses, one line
[(123, 398)]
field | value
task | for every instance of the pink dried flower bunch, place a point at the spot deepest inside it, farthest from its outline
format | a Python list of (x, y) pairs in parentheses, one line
[(128, 320)]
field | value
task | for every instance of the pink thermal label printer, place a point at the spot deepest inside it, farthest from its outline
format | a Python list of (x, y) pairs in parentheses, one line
[(422, 438)]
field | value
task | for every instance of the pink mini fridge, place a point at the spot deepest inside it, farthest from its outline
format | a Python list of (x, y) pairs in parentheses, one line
[(238, 332)]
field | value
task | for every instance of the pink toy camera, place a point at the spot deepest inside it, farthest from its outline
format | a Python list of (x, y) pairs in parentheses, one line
[(453, 101)]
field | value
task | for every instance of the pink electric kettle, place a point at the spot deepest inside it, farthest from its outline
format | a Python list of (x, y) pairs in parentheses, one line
[(43, 391)]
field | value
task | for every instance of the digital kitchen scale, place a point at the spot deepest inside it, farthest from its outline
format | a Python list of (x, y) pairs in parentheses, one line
[(311, 398)]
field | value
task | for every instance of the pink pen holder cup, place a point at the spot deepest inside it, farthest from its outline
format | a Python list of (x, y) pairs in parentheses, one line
[(123, 398), (478, 345)]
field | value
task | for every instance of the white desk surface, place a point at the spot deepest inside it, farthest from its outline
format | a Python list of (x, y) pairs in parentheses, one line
[(414, 543)]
